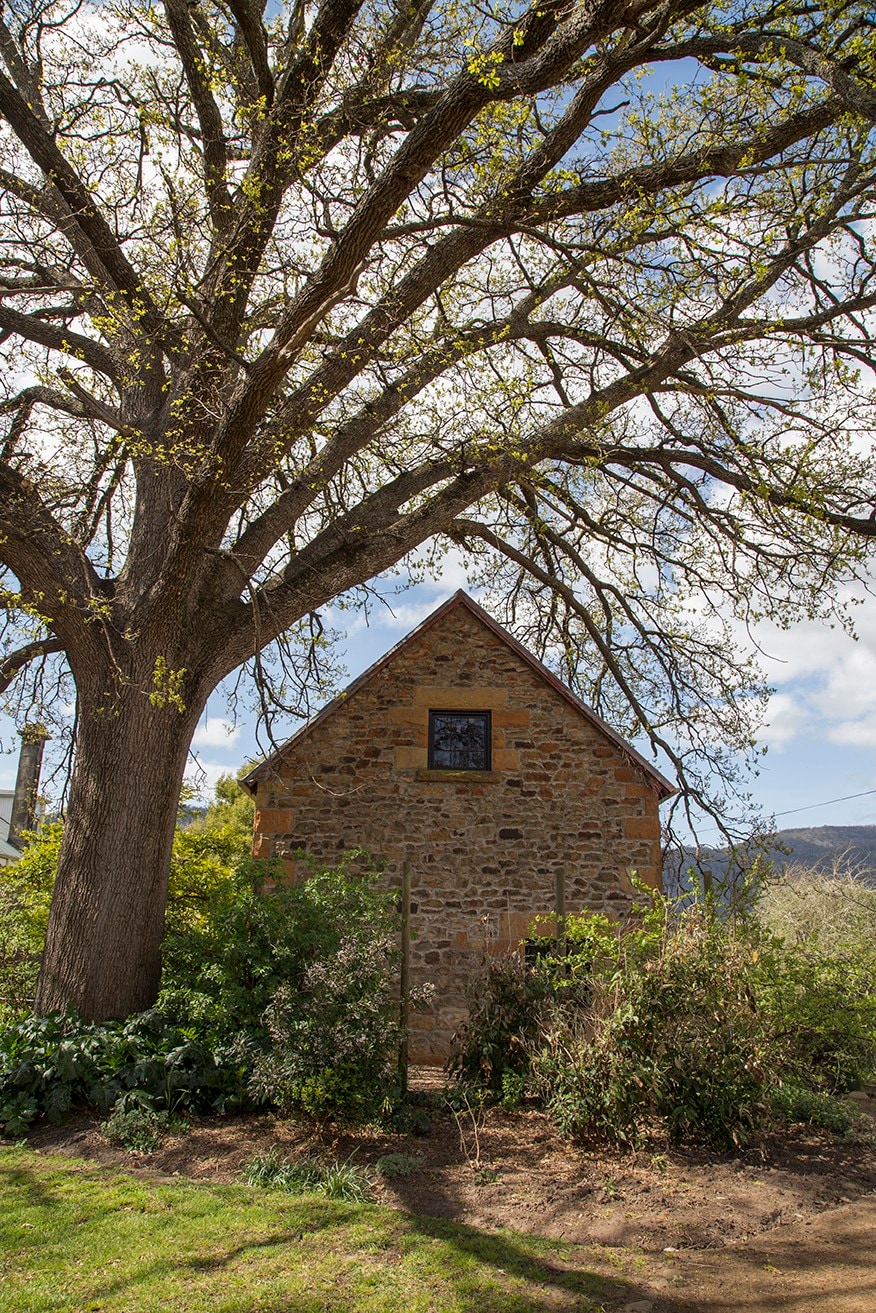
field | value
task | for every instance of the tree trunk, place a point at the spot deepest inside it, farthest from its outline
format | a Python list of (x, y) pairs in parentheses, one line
[(103, 945)]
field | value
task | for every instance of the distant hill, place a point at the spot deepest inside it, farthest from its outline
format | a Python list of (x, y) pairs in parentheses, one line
[(821, 846)]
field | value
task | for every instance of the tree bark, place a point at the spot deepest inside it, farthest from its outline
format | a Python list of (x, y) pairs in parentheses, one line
[(103, 945)]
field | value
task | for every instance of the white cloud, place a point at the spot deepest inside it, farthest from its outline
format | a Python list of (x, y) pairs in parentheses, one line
[(203, 776), (785, 718), (849, 691), (215, 734), (825, 680), (855, 733)]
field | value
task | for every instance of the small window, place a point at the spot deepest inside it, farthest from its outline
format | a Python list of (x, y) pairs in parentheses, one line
[(459, 740)]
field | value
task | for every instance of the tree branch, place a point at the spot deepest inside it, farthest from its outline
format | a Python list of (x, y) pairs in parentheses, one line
[(16, 661), (119, 274), (64, 340), (249, 22), (460, 530), (57, 578), (212, 132)]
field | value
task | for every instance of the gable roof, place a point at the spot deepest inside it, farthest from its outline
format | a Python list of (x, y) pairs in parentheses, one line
[(461, 599)]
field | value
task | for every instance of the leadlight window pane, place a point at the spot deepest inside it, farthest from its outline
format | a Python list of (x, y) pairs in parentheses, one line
[(459, 740)]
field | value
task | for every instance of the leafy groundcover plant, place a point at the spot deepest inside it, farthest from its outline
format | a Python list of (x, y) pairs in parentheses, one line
[(271, 994), (50, 1064), (333, 1180)]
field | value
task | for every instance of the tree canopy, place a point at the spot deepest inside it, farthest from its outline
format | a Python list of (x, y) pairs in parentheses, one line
[(288, 292)]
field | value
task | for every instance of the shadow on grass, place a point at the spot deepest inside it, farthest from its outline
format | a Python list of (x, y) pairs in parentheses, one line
[(232, 1248), (27, 1187), (470, 1271), (229, 1248)]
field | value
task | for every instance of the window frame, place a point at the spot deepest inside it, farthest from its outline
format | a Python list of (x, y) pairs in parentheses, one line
[(487, 718)]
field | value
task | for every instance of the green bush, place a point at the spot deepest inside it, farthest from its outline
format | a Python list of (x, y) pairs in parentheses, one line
[(833, 912), (287, 997), (506, 1012), (284, 994), (141, 1130), (671, 1038), (393, 1165), (821, 1011), (823, 1002), (206, 855), (335, 1027), (257, 947), (25, 895), (795, 1103), (222, 970), (160, 1058), (682, 1021)]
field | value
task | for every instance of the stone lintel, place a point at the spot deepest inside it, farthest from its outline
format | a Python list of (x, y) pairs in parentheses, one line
[(438, 697)]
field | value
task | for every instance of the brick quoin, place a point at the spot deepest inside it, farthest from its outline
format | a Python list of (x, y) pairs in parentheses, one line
[(565, 794)]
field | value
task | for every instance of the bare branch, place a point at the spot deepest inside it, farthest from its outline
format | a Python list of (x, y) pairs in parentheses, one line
[(13, 664), (249, 21), (63, 339), (58, 578)]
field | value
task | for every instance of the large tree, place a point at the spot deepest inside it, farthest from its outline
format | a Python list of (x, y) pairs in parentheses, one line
[(289, 291)]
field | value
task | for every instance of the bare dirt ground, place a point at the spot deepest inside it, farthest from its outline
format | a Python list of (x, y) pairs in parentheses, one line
[(787, 1226)]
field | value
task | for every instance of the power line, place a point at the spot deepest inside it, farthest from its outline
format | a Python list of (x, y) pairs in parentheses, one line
[(811, 807), (848, 798)]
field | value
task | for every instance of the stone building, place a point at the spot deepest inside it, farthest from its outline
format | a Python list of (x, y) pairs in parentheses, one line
[(461, 753)]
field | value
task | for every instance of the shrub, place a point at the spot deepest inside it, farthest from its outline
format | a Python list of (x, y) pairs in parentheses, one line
[(821, 1010), (288, 996), (221, 971), (141, 1130), (335, 1029), (506, 1012), (327, 941), (823, 1003), (671, 1038), (795, 1103), (834, 911), (206, 854), (514, 1086), (25, 895), (682, 1020)]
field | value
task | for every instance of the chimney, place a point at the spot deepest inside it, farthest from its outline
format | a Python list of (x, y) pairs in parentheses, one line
[(30, 761)]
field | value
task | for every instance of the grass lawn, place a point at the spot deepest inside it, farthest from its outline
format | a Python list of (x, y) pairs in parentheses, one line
[(75, 1236)]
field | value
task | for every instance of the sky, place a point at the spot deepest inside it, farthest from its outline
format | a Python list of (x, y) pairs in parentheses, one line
[(820, 730)]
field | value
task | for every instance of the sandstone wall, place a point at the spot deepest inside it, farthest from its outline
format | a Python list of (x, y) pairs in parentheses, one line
[(484, 847)]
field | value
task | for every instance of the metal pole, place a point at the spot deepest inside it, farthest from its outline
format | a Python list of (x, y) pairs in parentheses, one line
[(560, 931), (404, 1010)]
